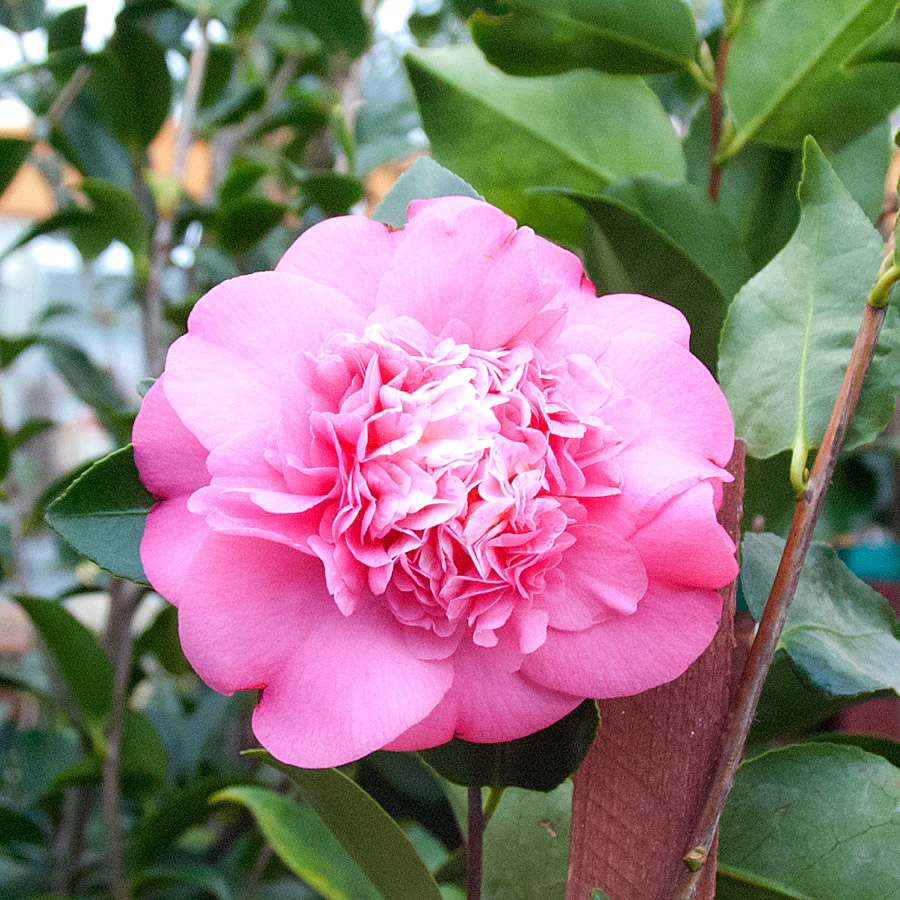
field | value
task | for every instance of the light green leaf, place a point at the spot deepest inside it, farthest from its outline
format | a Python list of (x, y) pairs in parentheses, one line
[(303, 843), (502, 133), (544, 37), (84, 665), (883, 46), (786, 76), (371, 837), (803, 310), (839, 632), (539, 762), (423, 180), (102, 515), (671, 242), (812, 822)]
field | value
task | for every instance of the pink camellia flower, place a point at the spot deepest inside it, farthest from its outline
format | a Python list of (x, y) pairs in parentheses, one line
[(423, 483)]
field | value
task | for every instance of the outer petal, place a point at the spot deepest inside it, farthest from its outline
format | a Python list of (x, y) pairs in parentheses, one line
[(473, 266), (689, 408), (170, 460), (487, 703), (615, 313), (684, 544), (629, 654), (349, 253), (257, 615)]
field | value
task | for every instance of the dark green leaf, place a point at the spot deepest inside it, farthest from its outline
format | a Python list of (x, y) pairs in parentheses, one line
[(77, 653), (203, 877), (234, 108), (339, 24), (8, 683), (249, 15), (102, 515), (672, 243), (303, 843), (544, 37), (371, 837), (11, 347), (219, 66), (883, 46), (805, 308), (423, 180), (29, 430), (502, 133), (839, 632), (5, 452), (540, 762), (67, 29), (812, 821), (331, 192), (880, 746), (243, 222), (120, 213), (13, 152), (466, 8), (786, 76), (67, 218), (243, 175), (16, 828), (161, 639)]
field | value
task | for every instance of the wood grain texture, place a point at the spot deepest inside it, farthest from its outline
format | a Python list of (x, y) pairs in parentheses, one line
[(640, 789)]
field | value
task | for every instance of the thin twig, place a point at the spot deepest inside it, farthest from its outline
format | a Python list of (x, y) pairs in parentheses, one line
[(123, 600), (69, 842), (762, 651), (475, 845), (64, 99), (715, 121), (167, 207)]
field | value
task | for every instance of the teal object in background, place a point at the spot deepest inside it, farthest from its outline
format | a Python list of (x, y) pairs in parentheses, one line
[(875, 558)]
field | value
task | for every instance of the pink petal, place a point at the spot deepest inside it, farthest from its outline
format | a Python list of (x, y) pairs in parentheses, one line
[(617, 313), (348, 253), (629, 654), (267, 317), (689, 409), (473, 266), (684, 544), (169, 458), (172, 539)]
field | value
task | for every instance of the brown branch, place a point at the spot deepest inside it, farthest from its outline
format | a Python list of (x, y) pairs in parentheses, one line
[(799, 538), (474, 845), (715, 120), (167, 206)]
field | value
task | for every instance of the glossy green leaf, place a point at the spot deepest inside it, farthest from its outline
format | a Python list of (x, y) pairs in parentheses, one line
[(805, 308), (84, 665), (303, 843), (243, 222), (839, 632), (540, 762), (423, 180), (671, 242), (811, 822), (371, 837), (102, 515), (339, 24), (13, 152), (502, 133), (544, 37), (202, 877), (786, 76)]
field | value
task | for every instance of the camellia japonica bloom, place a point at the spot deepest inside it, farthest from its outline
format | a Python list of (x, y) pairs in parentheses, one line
[(424, 483)]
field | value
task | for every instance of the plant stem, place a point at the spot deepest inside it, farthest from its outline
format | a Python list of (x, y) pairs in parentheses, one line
[(64, 99), (493, 801), (762, 651), (715, 121), (475, 845), (164, 233)]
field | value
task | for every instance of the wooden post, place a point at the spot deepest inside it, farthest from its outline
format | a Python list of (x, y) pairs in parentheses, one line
[(639, 791)]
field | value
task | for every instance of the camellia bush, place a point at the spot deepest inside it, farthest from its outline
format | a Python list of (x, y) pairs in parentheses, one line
[(419, 483)]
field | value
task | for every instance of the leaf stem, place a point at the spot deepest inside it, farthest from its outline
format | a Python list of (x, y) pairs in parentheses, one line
[(475, 845), (715, 121), (493, 801), (762, 651)]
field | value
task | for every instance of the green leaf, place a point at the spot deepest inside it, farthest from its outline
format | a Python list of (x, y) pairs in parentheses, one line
[(102, 515), (805, 308), (120, 213), (243, 222), (539, 762), (339, 24), (16, 828), (303, 843), (671, 242), (30, 429), (331, 192), (203, 877), (70, 217), (811, 822), (423, 180), (880, 746), (161, 639), (504, 133), (243, 175), (544, 37), (5, 452), (13, 152), (77, 653), (883, 46), (11, 347), (786, 76), (67, 29), (838, 632), (371, 837)]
